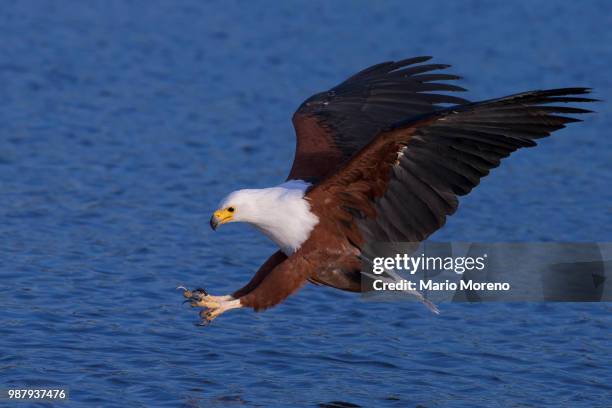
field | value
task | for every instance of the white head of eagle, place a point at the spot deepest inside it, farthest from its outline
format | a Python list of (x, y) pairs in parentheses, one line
[(282, 213)]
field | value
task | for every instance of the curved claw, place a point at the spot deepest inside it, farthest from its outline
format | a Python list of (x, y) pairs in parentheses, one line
[(207, 315), (191, 302), (203, 323), (197, 294), (186, 292), (202, 291)]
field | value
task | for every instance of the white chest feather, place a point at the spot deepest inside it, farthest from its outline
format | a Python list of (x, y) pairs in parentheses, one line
[(291, 225)]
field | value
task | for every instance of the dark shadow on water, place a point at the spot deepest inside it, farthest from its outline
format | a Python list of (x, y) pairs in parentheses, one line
[(338, 404)]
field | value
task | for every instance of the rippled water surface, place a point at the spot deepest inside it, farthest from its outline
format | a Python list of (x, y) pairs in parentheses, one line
[(124, 123)]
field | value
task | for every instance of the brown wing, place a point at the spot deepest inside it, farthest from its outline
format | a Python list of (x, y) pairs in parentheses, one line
[(403, 185), (281, 281), (331, 126), (264, 270)]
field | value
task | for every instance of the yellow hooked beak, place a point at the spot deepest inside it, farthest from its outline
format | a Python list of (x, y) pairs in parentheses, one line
[(221, 217)]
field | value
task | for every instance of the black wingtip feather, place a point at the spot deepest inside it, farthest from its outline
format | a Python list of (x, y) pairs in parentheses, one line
[(540, 98), (436, 77), (413, 60)]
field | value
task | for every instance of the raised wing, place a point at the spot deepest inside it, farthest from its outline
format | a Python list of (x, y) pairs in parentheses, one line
[(403, 185), (332, 126)]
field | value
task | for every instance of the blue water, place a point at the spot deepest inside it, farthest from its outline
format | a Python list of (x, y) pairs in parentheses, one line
[(124, 123)]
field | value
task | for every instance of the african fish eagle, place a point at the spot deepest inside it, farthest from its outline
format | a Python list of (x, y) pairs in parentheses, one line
[(382, 157)]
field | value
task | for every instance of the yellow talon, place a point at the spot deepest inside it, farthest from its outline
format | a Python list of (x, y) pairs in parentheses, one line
[(205, 302), (213, 305)]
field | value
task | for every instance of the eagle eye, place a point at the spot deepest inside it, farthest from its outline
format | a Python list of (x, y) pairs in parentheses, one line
[(231, 209)]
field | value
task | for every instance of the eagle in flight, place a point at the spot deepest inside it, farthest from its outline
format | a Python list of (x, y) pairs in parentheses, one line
[(381, 157)]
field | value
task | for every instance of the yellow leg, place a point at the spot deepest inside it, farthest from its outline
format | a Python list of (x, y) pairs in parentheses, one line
[(201, 298), (211, 313), (214, 305)]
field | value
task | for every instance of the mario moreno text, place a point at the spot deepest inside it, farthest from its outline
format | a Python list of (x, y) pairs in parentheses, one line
[(403, 285)]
